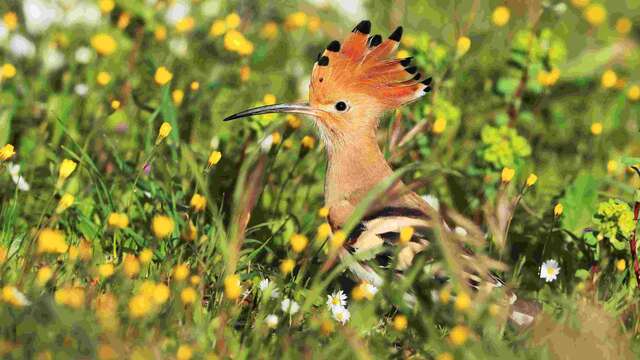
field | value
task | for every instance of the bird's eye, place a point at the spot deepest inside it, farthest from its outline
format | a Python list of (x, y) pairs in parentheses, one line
[(341, 106)]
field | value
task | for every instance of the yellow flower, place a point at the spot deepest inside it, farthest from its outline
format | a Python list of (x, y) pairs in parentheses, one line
[(623, 25), (507, 174), (181, 271), (269, 99), (458, 335), (402, 54), (531, 179), (269, 30), (218, 28), (115, 104), (160, 33), (287, 144), (106, 352), (214, 158), (118, 220), (463, 302), (323, 212), (163, 132), (51, 241), (65, 202), (621, 265), (198, 202), (287, 266), (70, 296), (444, 356), (6, 152), (130, 265), (13, 296), (444, 295), (232, 287), (123, 20), (194, 86), (185, 24), (7, 71), (558, 209), (609, 79), (406, 233), (184, 352), (105, 270), (293, 121), (596, 128), (146, 255), (612, 166), (327, 327), (633, 93), (3, 254), (162, 226), (548, 78), (160, 293), (276, 138), (139, 306), (494, 310), (85, 252), (177, 96), (400, 322), (338, 239), (10, 20), (314, 23), (235, 41), (298, 242), (580, 3), (324, 230), (595, 14), (245, 73), (188, 295), (463, 45), (190, 232), (103, 78), (408, 40), (162, 76), (439, 125), (195, 280), (358, 292), (44, 275), (296, 20), (106, 5), (104, 44), (232, 21), (500, 16), (308, 142)]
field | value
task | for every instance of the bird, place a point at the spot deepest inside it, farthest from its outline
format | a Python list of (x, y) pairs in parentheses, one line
[(353, 84)]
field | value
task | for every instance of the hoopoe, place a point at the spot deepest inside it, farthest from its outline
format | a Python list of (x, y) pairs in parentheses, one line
[(352, 85)]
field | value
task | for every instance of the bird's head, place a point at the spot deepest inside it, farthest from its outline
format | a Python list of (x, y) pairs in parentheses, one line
[(353, 83)]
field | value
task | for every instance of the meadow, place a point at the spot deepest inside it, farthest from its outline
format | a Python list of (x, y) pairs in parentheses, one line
[(135, 223)]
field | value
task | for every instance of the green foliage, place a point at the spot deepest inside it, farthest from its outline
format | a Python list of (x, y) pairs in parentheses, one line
[(503, 147), (614, 221)]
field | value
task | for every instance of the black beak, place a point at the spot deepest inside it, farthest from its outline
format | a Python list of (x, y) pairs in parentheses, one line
[(302, 108)]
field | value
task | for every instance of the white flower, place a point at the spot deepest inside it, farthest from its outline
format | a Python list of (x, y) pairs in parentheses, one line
[(341, 314), (371, 289), (52, 59), (4, 32), (460, 231), (266, 143), (40, 15), (19, 298), (289, 306), (271, 320), (83, 13), (83, 55), (179, 47), (21, 183), (337, 299), (432, 201), (81, 89), (210, 8), (549, 270), (266, 285), (176, 12), (21, 47)]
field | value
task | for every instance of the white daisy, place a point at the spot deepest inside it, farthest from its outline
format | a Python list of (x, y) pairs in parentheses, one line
[(21, 47), (549, 270), (21, 183), (52, 59), (289, 306), (176, 12), (336, 299), (83, 13), (40, 15), (271, 320), (341, 314), (179, 47), (83, 55), (81, 89), (266, 285)]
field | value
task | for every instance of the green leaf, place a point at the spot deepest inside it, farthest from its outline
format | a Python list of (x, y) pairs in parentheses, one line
[(630, 160), (580, 201), (582, 274)]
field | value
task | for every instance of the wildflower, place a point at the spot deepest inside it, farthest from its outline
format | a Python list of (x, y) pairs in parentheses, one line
[(595, 14), (162, 226), (103, 78), (548, 78), (177, 96), (549, 270), (439, 125), (163, 132), (106, 352), (609, 79), (341, 314), (44, 275), (444, 295), (190, 232), (494, 310), (181, 271), (104, 44), (139, 306), (296, 20), (245, 73), (269, 31), (106, 5), (7, 152), (444, 356), (531, 179), (314, 23), (623, 25), (232, 287), (195, 280), (105, 270), (162, 76), (308, 142), (337, 299), (194, 86), (402, 54), (406, 233), (118, 220), (289, 306), (123, 20), (115, 104), (10, 20), (323, 212), (266, 285), (400, 322), (463, 302), (3, 254), (500, 16), (621, 265), (51, 241), (612, 166), (185, 24), (236, 42), (65, 202), (558, 209), (232, 20), (146, 255), (188, 295), (338, 239), (580, 3), (7, 71), (633, 93), (214, 158), (198, 202), (160, 33), (287, 266), (293, 121), (271, 320), (184, 352), (458, 335), (11, 295), (287, 144), (85, 252), (463, 45), (596, 128), (507, 174), (66, 168), (327, 327), (298, 242), (70, 296), (131, 265), (160, 294), (218, 28)]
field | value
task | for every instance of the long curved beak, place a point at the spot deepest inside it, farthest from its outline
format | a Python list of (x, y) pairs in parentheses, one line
[(302, 108)]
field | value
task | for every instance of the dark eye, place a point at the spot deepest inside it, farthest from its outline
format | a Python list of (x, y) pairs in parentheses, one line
[(341, 106)]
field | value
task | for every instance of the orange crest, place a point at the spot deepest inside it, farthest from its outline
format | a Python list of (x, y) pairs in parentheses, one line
[(362, 64)]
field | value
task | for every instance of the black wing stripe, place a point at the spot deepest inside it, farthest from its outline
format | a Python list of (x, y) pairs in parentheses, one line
[(395, 211)]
